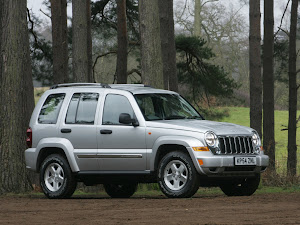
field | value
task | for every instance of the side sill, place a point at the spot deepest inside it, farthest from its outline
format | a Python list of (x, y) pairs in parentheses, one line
[(108, 172)]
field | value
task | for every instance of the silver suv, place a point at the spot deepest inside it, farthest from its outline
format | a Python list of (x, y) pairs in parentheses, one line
[(122, 135)]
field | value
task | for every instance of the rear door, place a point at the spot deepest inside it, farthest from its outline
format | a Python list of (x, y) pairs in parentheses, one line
[(80, 129)]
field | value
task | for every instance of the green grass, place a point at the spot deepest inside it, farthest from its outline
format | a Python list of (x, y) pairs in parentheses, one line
[(239, 115)]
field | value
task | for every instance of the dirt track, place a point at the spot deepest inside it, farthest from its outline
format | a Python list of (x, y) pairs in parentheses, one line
[(208, 209)]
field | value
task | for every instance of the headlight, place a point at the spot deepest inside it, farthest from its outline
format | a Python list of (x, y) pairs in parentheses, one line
[(211, 139), (255, 139), (256, 142)]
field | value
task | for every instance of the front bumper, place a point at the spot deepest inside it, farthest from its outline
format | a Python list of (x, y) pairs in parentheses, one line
[(223, 165)]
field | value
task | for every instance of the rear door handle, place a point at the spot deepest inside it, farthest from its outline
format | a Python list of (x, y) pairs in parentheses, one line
[(105, 131), (66, 130)]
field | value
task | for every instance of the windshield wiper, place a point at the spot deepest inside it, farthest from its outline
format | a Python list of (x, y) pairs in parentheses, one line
[(193, 117), (174, 117)]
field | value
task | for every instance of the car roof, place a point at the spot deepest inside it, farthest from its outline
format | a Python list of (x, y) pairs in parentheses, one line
[(133, 88)]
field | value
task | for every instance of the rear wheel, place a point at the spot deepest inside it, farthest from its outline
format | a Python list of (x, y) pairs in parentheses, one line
[(177, 176), (120, 190), (242, 187), (56, 178)]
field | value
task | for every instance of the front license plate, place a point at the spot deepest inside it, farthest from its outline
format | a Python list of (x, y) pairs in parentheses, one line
[(245, 161)]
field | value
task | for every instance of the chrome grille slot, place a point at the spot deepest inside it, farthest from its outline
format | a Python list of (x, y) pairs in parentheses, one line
[(236, 145)]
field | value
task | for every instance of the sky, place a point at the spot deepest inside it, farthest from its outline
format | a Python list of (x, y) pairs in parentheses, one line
[(36, 6)]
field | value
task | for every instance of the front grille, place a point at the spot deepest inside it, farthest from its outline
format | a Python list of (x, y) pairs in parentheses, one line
[(236, 145)]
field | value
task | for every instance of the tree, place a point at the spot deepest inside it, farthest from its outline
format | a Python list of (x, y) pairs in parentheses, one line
[(268, 83), (292, 126), (151, 57), (225, 31), (16, 94), (89, 41), (255, 67), (80, 41), (203, 78), (197, 18), (40, 51), (167, 37), (122, 43), (59, 40)]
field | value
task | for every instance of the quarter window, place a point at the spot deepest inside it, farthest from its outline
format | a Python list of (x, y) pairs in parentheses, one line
[(113, 107), (50, 110), (82, 108)]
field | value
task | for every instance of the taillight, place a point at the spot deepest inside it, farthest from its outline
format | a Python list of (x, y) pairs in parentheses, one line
[(29, 137)]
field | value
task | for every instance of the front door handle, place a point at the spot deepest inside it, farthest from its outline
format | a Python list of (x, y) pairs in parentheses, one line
[(66, 130), (105, 131)]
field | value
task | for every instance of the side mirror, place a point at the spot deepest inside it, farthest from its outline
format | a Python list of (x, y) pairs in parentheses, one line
[(125, 118)]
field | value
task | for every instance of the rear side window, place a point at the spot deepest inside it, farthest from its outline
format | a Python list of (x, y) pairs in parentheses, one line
[(82, 108), (50, 110)]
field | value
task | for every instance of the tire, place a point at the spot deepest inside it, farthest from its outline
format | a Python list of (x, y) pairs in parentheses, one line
[(244, 187), (56, 178), (120, 190), (177, 176)]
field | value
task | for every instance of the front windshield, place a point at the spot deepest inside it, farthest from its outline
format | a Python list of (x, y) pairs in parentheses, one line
[(165, 107)]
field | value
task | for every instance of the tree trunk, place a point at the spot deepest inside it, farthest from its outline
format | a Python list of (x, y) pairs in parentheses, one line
[(59, 40), (255, 67), (89, 41), (292, 128), (122, 43), (151, 57), (197, 18), (268, 83), (79, 41), (168, 44), (16, 94)]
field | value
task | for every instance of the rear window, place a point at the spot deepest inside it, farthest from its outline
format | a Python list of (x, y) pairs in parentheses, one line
[(82, 108), (50, 110)]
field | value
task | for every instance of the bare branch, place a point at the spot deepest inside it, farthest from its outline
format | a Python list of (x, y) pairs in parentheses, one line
[(208, 2), (99, 56), (134, 71), (286, 127), (45, 13), (36, 41), (279, 28), (183, 9), (284, 31)]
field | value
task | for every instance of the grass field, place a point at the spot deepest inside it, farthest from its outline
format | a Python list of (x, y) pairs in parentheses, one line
[(239, 115)]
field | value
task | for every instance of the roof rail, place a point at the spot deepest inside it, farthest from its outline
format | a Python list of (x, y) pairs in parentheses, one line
[(130, 85), (79, 84)]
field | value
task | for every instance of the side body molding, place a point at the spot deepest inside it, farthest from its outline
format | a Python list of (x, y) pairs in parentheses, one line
[(185, 141), (63, 144)]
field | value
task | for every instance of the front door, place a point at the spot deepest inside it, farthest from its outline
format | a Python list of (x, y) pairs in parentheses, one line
[(121, 147)]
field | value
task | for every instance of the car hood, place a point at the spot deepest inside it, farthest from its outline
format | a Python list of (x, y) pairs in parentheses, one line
[(202, 126)]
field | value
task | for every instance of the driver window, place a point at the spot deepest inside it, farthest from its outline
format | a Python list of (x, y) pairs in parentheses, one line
[(115, 105)]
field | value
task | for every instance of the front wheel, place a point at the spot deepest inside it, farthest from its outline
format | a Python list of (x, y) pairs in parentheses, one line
[(242, 187), (56, 178), (120, 190), (177, 176)]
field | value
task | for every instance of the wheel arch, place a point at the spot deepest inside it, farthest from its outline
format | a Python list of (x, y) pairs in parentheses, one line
[(60, 146), (166, 144)]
